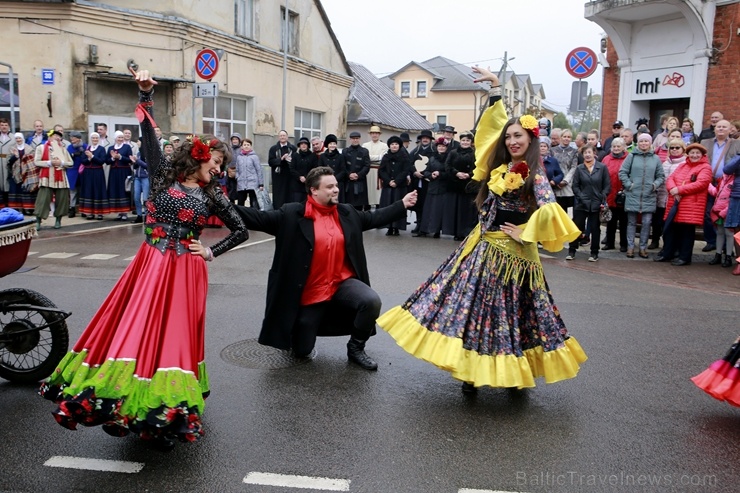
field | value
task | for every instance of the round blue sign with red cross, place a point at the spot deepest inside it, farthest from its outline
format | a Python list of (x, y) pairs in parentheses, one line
[(206, 64), (581, 63)]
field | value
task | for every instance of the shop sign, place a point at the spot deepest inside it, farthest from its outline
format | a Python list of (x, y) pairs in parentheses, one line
[(666, 83)]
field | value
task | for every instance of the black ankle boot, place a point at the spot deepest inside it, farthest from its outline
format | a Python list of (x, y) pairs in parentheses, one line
[(469, 388), (72, 212), (356, 354), (726, 260), (716, 260)]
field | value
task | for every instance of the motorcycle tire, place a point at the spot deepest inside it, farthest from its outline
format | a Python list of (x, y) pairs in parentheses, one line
[(31, 356)]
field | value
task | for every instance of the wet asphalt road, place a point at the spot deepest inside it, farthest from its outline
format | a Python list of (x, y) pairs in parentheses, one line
[(631, 421)]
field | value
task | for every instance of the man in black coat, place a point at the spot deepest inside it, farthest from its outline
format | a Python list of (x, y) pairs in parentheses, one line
[(421, 153), (357, 159), (279, 158), (318, 284)]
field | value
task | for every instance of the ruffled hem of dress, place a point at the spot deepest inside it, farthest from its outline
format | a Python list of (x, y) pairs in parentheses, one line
[(722, 381), (508, 371), (167, 405), (551, 226)]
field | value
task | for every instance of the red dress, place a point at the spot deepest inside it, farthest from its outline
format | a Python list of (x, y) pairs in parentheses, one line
[(139, 364)]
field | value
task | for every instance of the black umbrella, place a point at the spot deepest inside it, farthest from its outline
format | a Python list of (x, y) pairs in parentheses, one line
[(671, 214)]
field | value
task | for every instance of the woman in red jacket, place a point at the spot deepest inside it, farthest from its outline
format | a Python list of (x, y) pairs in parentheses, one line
[(688, 186)]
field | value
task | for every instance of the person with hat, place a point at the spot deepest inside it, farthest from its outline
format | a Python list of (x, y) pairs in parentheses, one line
[(377, 149), (332, 158), (419, 158), (438, 216), (617, 127), (486, 314), (394, 172), (77, 150), (279, 158), (175, 141), (687, 189), (460, 166), (641, 175), (406, 139), (449, 134), (52, 158), (303, 161), (357, 161), (20, 163)]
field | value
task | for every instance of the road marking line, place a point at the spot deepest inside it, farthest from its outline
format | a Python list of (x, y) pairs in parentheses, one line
[(59, 255), (100, 256), (32, 253), (289, 481), (94, 464), (253, 243), (130, 258), (468, 490), (544, 255)]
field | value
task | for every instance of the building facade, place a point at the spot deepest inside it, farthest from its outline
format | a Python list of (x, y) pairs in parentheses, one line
[(73, 68), (668, 57)]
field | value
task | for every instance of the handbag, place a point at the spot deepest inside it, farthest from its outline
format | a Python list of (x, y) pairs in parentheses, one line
[(605, 214), (621, 198), (263, 198)]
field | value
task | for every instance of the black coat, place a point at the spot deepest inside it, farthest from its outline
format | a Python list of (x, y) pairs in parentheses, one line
[(336, 161), (437, 186), (357, 160), (395, 167), (302, 163), (280, 173), (294, 242), (590, 189), (460, 161)]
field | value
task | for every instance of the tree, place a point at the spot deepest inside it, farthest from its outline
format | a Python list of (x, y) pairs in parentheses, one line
[(591, 118), (561, 121)]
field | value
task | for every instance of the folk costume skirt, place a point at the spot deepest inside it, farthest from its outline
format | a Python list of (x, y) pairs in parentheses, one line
[(138, 367), (722, 379), (487, 316), (93, 196)]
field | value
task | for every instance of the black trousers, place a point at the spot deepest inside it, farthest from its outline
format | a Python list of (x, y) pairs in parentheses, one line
[(580, 217), (241, 198), (618, 220), (679, 237), (352, 294)]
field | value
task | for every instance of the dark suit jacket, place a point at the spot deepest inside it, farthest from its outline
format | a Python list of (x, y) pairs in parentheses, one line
[(294, 242)]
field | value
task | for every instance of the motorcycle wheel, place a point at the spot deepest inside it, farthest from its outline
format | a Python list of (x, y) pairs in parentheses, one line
[(32, 356)]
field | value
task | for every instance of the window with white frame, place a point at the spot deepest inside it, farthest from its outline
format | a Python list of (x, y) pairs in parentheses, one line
[(5, 100), (307, 124), (421, 89), (292, 31), (224, 116), (405, 89), (442, 121), (244, 18)]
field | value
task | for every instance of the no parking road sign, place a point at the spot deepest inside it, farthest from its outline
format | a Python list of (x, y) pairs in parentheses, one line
[(581, 63), (206, 64)]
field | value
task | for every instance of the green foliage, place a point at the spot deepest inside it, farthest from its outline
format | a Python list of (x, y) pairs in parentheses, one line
[(561, 121)]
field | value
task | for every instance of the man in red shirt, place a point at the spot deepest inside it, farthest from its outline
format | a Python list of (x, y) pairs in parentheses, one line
[(318, 284)]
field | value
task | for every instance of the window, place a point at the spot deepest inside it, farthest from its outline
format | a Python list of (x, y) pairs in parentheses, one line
[(406, 89), (5, 100), (292, 31), (244, 18), (223, 116), (442, 120), (421, 89), (307, 124)]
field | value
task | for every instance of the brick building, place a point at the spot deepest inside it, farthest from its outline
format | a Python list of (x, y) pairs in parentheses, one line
[(675, 57)]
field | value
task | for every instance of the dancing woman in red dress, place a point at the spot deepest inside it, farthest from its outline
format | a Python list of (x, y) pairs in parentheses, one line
[(139, 365)]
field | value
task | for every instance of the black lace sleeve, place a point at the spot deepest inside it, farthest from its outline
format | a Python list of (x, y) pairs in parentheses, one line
[(226, 211), (150, 150)]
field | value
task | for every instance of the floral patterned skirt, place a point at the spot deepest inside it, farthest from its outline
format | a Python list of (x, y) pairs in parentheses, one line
[(722, 379), (138, 366), (488, 317)]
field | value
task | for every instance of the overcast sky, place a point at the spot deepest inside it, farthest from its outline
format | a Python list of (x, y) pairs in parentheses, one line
[(384, 35)]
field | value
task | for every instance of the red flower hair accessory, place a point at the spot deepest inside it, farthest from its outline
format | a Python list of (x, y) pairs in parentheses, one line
[(521, 169), (200, 152)]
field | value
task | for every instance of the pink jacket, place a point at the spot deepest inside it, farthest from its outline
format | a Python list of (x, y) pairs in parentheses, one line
[(693, 180), (722, 201)]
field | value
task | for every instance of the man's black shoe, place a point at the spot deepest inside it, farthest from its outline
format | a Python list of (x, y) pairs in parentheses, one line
[(469, 388), (708, 248), (678, 262), (661, 258), (72, 212), (417, 234), (356, 354), (138, 220)]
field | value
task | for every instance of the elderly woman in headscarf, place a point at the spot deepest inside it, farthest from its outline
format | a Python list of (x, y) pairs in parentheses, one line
[(93, 200), (20, 163), (641, 175), (119, 159)]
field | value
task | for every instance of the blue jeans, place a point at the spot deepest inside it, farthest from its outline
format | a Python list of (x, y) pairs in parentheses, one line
[(141, 188), (647, 218)]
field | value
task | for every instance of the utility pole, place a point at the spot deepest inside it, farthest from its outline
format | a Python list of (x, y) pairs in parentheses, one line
[(502, 77), (286, 37)]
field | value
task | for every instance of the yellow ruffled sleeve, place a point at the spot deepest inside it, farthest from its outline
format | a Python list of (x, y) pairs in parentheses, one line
[(487, 132), (551, 226)]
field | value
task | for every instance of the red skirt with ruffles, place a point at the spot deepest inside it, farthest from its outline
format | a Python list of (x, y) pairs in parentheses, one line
[(722, 379)]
